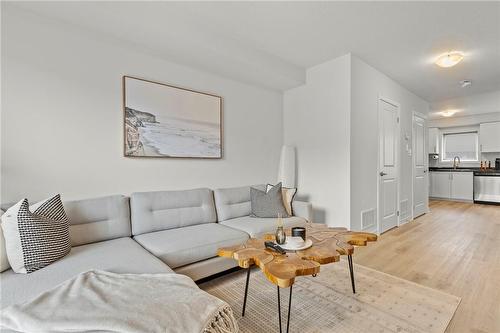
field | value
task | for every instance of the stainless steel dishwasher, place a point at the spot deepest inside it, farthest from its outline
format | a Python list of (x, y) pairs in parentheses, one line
[(487, 187)]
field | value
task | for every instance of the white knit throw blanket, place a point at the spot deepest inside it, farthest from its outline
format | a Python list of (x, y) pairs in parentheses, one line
[(130, 303)]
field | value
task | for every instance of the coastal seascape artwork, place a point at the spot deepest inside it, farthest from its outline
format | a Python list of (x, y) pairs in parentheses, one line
[(167, 121)]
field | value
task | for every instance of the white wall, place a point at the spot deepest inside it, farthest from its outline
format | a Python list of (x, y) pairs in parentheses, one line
[(332, 120), (316, 122), (367, 85), (62, 117)]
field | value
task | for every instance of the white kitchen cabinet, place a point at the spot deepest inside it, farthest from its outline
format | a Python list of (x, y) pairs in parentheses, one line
[(433, 140), (462, 186), (489, 137), (452, 185), (440, 184)]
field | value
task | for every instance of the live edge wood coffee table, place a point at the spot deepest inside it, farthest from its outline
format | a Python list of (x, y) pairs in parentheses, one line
[(282, 269)]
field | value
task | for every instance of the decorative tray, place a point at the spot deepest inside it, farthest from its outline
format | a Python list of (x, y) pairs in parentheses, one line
[(307, 244)]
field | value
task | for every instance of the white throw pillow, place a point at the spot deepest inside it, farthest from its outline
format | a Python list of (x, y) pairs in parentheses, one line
[(287, 194), (4, 262), (35, 236)]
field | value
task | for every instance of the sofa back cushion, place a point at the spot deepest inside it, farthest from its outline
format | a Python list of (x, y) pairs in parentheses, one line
[(234, 202), (98, 219), (155, 211)]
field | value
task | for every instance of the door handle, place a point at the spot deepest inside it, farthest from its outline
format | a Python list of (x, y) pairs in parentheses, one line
[(425, 171), (382, 173)]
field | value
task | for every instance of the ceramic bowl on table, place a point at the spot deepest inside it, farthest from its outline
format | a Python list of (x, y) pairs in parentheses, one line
[(296, 243)]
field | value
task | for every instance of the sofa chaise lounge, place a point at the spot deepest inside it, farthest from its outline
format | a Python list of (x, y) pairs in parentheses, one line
[(150, 232)]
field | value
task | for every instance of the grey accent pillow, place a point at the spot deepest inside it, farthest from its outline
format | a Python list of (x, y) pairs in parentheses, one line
[(267, 204), (287, 194)]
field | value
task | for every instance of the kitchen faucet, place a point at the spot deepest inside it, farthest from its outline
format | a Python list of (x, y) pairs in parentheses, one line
[(455, 162)]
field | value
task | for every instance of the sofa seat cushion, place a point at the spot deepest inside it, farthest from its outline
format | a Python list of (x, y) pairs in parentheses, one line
[(257, 226), (183, 246), (121, 255)]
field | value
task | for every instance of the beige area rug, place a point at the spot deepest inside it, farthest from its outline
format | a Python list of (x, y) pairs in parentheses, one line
[(325, 303)]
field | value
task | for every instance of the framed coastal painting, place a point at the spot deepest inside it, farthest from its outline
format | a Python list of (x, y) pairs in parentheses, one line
[(161, 120)]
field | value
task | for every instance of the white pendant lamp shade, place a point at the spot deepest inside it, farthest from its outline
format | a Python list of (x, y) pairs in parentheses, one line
[(286, 173)]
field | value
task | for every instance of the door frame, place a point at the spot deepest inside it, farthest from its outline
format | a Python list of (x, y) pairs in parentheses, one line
[(426, 154), (398, 156)]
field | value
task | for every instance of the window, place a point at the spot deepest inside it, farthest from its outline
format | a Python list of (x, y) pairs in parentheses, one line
[(464, 145)]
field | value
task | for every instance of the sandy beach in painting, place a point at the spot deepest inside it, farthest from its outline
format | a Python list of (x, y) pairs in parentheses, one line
[(181, 138)]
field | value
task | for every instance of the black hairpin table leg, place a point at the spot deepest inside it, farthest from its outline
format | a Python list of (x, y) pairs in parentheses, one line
[(246, 292), (279, 306), (289, 309), (351, 270)]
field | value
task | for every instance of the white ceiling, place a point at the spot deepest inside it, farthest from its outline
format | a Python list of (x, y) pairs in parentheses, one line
[(271, 43), (468, 105)]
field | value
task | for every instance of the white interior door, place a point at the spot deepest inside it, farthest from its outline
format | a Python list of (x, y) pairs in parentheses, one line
[(388, 165), (420, 163)]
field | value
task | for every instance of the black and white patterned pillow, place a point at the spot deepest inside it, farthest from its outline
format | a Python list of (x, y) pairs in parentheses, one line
[(35, 236)]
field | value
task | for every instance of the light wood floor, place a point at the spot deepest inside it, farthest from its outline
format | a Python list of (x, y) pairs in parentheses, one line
[(454, 248)]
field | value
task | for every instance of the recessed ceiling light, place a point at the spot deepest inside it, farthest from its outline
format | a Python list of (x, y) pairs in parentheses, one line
[(465, 83), (449, 59), (448, 113)]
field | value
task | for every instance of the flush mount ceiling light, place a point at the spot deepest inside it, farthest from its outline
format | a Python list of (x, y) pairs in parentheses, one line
[(449, 59), (448, 113)]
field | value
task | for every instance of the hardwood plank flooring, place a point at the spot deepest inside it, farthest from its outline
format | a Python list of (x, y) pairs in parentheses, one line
[(454, 248)]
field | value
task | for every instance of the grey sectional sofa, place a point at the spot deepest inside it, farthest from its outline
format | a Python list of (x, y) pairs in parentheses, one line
[(100, 237), (150, 232)]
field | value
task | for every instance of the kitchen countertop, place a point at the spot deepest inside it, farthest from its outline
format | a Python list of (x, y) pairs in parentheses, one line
[(477, 171), (453, 170)]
